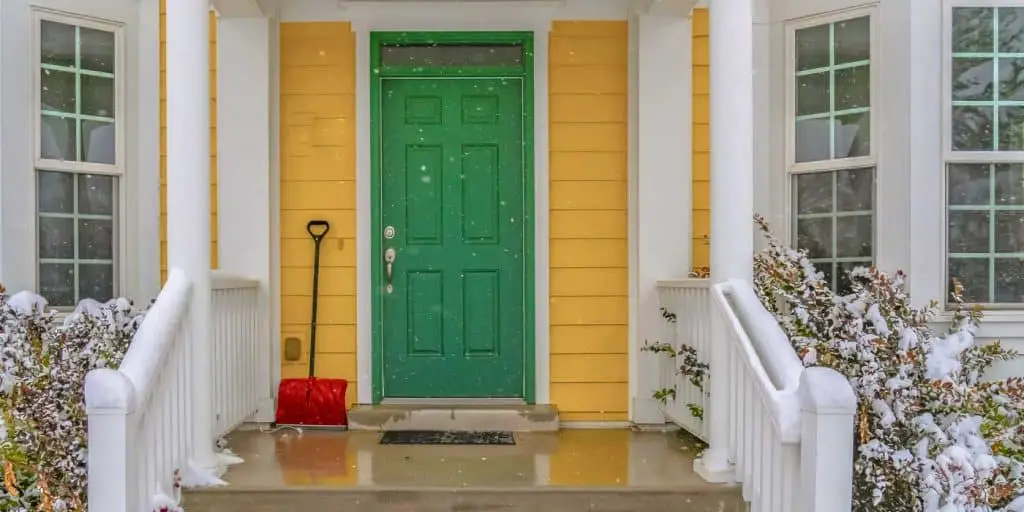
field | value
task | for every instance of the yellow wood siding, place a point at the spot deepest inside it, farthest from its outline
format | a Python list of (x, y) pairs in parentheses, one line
[(701, 141), (589, 258), (318, 170), (163, 140)]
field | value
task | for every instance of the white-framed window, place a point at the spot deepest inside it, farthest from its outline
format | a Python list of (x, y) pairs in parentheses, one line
[(831, 148), (79, 157), (984, 152)]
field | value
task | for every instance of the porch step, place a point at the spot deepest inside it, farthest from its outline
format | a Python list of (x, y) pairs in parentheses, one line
[(230, 499), (454, 417)]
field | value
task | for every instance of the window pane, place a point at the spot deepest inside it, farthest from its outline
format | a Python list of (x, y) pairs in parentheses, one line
[(56, 238), (1011, 128), (1011, 78), (843, 270), (969, 232), (1010, 230), (99, 142), (1009, 186), (97, 50), (58, 91), (97, 96), (833, 91), (852, 135), (57, 140), (96, 281), (968, 184), (1009, 280), (432, 55), (972, 78), (972, 128), (853, 40), (57, 43), (95, 194), (814, 193), (972, 273), (854, 236), (95, 239), (56, 192), (812, 48), (1011, 29), (972, 29), (853, 87), (812, 140), (815, 235), (855, 190), (812, 94), (57, 283)]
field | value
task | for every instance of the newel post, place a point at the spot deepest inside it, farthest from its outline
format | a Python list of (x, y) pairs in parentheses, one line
[(828, 408), (110, 405)]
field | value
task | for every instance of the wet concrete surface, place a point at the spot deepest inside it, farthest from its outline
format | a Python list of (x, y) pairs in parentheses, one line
[(567, 471)]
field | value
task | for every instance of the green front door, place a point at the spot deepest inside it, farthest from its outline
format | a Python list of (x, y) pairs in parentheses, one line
[(453, 320)]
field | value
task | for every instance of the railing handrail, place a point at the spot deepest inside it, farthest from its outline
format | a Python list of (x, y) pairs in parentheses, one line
[(149, 347), (685, 282), (766, 352), (221, 280)]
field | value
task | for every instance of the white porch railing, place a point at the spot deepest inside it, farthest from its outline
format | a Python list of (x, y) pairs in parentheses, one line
[(791, 430), (237, 340), (685, 314), (139, 416)]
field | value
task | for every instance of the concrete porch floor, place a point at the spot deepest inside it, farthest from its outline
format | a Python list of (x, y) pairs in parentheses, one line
[(576, 458), (568, 470)]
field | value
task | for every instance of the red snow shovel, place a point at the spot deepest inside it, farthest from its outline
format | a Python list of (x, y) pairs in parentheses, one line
[(313, 401)]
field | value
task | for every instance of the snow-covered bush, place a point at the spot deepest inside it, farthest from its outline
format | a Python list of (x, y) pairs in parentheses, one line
[(931, 435), (44, 362)]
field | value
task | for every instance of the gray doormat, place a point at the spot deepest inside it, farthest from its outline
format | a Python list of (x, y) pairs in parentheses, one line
[(447, 437)]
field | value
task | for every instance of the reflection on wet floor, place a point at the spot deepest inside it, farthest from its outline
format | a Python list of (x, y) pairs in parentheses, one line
[(568, 458)]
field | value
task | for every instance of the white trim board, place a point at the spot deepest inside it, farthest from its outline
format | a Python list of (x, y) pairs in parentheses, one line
[(534, 17)]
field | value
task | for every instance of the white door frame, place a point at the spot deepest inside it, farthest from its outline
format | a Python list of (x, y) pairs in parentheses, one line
[(524, 16)]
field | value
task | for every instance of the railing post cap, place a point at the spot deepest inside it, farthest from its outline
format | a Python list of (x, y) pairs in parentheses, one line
[(108, 391), (826, 391)]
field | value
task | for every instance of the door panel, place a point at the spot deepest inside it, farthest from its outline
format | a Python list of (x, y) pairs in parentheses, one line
[(452, 189)]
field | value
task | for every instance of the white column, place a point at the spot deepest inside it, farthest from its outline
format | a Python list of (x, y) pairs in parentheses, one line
[(732, 195), (243, 164), (188, 195), (663, 209)]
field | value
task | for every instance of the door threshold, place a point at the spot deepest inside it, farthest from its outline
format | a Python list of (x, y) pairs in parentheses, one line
[(443, 402)]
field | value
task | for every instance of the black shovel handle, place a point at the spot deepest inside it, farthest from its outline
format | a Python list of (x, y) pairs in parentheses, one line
[(313, 227), (318, 230)]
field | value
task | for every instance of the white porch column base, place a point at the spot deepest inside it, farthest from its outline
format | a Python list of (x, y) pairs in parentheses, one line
[(188, 197), (732, 194), (663, 214), (243, 165)]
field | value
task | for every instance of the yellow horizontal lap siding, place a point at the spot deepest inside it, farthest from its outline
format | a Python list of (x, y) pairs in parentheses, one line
[(701, 140), (163, 141), (318, 182), (589, 220)]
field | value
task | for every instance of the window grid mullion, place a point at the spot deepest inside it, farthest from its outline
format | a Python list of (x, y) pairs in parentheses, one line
[(78, 97), (991, 233), (995, 82), (74, 202), (832, 90)]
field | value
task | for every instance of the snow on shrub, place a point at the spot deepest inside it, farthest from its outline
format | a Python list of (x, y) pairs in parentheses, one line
[(931, 435), (44, 362)]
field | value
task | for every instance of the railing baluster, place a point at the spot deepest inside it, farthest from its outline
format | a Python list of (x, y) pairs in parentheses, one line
[(140, 414)]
